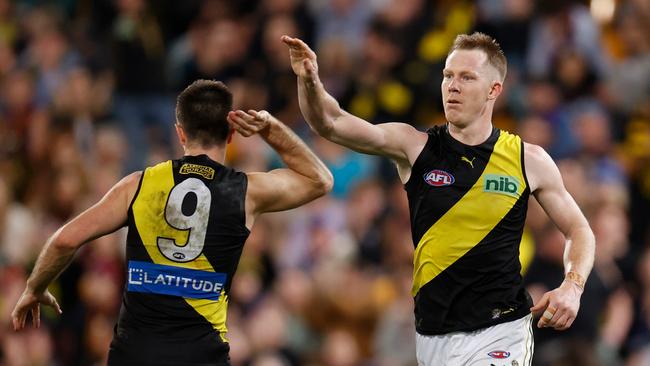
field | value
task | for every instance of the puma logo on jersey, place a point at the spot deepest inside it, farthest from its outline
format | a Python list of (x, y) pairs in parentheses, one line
[(470, 162), (202, 170)]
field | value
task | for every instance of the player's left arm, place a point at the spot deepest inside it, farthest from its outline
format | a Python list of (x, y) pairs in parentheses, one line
[(106, 216), (560, 306)]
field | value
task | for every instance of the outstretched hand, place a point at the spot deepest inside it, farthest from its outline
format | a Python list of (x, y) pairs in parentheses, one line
[(303, 59), (559, 306), (249, 123), (30, 302)]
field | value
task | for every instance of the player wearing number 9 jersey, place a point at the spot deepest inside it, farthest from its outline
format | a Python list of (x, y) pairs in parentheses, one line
[(187, 223)]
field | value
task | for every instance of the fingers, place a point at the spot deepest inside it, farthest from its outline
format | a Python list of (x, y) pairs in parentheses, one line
[(560, 323), (16, 319), (51, 301), (541, 304), (295, 43), (248, 123), (36, 316), (547, 317)]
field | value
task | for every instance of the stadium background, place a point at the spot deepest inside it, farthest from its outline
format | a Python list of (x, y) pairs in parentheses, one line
[(87, 95)]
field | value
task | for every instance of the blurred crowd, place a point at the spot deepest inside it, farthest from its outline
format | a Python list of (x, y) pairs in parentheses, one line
[(87, 94)]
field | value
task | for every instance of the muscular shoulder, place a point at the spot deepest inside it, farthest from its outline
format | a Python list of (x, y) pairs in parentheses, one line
[(541, 170), (128, 186), (410, 138)]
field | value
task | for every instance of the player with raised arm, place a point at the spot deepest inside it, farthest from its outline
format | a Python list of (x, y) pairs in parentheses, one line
[(187, 223), (468, 185)]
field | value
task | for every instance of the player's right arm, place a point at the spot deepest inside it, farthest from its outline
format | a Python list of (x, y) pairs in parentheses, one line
[(398, 141), (106, 216), (305, 178)]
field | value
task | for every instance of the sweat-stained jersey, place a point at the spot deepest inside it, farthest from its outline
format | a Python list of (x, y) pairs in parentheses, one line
[(468, 208), (186, 232)]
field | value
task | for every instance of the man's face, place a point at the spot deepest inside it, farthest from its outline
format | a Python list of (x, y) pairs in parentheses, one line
[(466, 84)]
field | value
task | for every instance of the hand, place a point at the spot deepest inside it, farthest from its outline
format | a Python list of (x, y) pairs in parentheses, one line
[(560, 306), (249, 123), (303, 59), (32, 302)]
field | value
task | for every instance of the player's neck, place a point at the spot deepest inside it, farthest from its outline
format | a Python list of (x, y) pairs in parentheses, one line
[(474, 133), (216, 153)]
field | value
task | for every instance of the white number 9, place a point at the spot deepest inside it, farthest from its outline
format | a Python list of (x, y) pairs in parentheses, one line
[(196, 223)]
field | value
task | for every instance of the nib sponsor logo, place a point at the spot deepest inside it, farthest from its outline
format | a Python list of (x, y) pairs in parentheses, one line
[(503, 184)]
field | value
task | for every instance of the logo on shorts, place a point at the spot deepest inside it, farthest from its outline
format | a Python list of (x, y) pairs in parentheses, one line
[(515, 363), (439, 178), (499, 354)]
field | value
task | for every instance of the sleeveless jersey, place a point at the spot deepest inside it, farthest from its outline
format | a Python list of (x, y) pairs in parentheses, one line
[(186, 231), (468, 208)]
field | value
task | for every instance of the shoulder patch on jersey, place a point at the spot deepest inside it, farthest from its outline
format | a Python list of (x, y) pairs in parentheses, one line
[(439, 178), (202, 170)]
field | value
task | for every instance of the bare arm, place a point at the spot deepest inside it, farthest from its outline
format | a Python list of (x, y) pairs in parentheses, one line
[(305, 178), (106, 216), (548, 188), (397, 141)]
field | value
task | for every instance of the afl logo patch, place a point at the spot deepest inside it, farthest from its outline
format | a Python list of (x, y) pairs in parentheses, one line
[(499, 354), (439, 178)]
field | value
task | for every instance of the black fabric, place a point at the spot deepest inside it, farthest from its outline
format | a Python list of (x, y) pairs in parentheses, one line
[(484, 286), (155, 329)]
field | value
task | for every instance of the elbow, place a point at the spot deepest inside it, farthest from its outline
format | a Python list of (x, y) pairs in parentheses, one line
[(63, 240), (324, 129), (327, 182), (323, 184)]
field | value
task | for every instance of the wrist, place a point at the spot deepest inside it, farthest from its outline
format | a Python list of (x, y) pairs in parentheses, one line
[(266, 130), (575, 279), (31, 289)]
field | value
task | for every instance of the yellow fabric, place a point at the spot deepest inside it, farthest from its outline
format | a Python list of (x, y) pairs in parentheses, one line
[(149, 216), (472, 217)]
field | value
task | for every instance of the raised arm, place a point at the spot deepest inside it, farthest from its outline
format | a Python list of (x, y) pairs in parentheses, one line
[(305, 178), (106, 216), (561, 305), (397, 141)]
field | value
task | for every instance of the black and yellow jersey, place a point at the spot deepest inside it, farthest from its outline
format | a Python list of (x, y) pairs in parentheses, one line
[(468, 209), (186, 231)]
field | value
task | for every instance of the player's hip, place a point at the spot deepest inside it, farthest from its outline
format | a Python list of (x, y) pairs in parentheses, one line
[(510, 343)]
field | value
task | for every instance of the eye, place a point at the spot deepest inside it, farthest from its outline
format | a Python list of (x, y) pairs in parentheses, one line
[(447, 76), (467, 77)]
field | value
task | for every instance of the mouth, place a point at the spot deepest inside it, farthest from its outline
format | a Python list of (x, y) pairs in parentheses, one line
[(453, 101)]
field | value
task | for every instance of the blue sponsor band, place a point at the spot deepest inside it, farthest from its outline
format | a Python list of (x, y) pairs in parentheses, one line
[(176, 281)]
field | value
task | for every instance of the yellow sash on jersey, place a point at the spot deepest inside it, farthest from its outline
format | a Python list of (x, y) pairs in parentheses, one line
[(474, 216), (149, 216)]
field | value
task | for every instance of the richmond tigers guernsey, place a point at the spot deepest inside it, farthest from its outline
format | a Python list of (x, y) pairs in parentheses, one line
[(186, 231), (468, 209)]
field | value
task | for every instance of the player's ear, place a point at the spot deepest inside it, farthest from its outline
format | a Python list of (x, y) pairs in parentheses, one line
[(495, 90), (181, 134)]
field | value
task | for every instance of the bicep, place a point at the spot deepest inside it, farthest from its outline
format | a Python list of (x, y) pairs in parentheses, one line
[(551, 193), (279, 190), (104, 217), (393, 140)]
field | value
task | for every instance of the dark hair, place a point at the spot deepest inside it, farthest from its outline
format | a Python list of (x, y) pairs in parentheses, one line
[(485, 43), (202, 108)]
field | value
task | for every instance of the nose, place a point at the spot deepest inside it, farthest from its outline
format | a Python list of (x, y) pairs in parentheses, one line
[(453, 86)]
